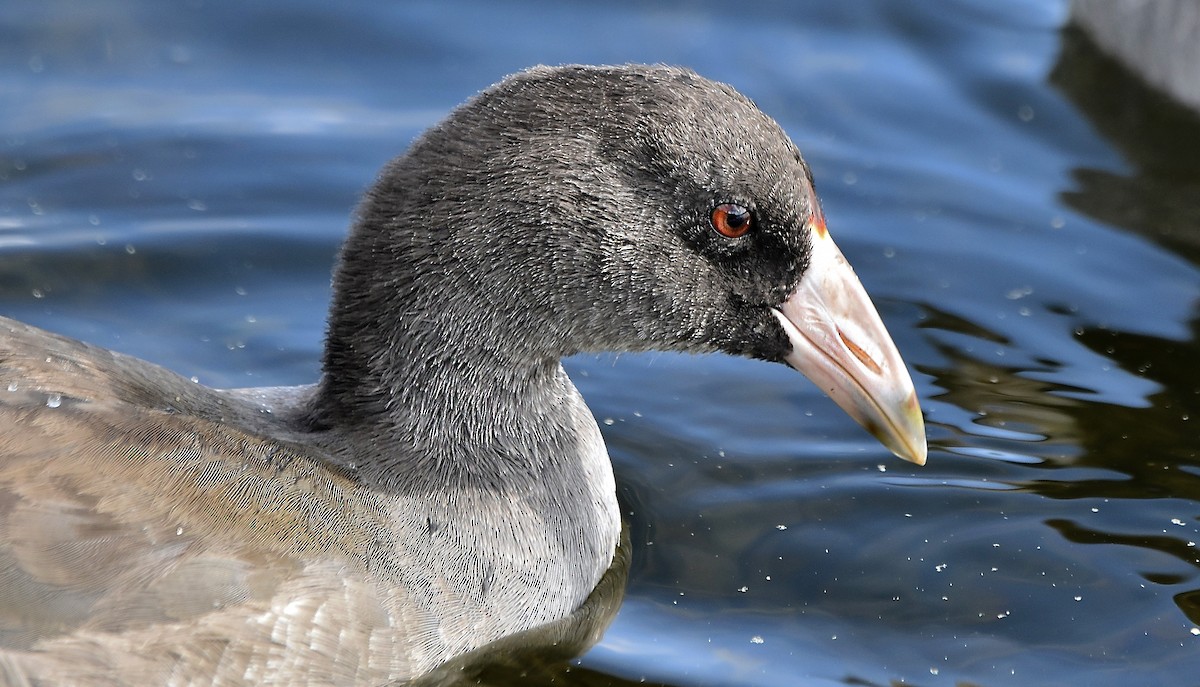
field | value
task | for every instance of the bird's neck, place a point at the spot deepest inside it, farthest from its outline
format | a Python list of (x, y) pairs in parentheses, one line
[(497, 451), (421, 355)]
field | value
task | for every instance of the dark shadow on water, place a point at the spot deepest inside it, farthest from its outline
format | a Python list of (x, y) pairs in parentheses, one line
[(1158, 199), (1083, 448), (1150, 452), (1160, 139)]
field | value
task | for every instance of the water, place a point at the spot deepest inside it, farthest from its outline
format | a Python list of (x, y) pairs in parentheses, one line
[(175, 178)]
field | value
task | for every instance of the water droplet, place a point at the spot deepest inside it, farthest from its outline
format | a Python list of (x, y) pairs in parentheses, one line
[(180, 54), (53, 401)]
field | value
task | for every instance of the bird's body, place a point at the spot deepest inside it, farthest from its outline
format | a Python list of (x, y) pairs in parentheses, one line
[(444, 485), (118, 500)]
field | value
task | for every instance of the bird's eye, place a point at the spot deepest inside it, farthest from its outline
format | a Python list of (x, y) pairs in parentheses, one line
[(731, 220)]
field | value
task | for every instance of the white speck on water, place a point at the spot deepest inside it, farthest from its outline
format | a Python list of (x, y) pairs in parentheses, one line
[(756, 639), (933, 670), (608, 421), (1177, 521), (180, 54), (1078, 598), (781, 527), (53, 401), (743, 589), (1195, 631), (940, 567)]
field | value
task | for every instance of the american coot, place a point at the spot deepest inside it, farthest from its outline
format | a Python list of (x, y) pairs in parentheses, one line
[(443, 485)]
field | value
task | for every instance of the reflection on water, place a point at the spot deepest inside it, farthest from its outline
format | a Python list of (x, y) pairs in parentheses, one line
[(1154, 448), (1002, 401)]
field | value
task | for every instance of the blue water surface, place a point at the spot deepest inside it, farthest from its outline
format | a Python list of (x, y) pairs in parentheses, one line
[(175, 178)]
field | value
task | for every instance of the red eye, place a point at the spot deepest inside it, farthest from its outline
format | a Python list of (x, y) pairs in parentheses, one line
[(731, 220)]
